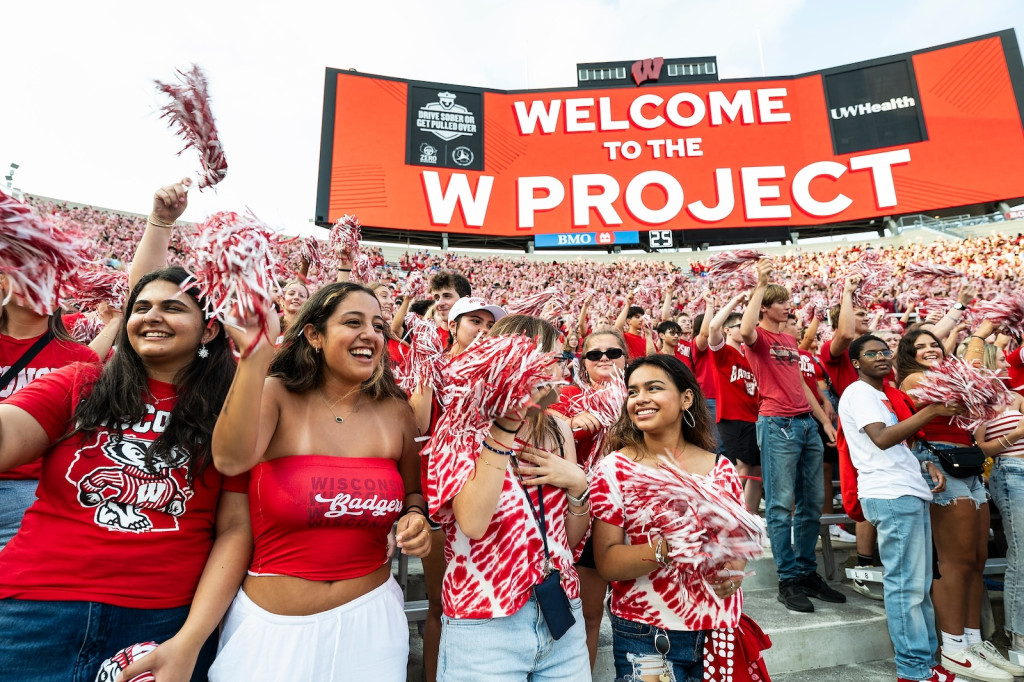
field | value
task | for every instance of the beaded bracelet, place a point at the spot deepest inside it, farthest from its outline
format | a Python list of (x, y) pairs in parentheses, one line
[(503, 453)]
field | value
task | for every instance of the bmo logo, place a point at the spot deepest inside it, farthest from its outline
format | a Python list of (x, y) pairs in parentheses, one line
[(599, 239), (605, 238), (581, 239)]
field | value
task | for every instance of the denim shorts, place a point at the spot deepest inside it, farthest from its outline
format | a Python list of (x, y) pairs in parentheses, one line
[(65, 641), (513, 648), (956, 488), (636, 655)]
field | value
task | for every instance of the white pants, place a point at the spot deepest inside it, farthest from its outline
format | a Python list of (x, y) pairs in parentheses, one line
[(365, 639)]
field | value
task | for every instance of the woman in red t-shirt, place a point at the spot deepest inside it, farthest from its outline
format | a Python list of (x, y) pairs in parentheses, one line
[(131, 523), (597, 365)]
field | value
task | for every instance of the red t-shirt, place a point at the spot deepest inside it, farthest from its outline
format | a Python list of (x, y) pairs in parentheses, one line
[(106, 528), (635, 345), (775, 359), (657, 598), (704, 370), (840, 370), (685, 353), (810, 371), (55, 355), (736, 385), (583, 439), (1016, 369)]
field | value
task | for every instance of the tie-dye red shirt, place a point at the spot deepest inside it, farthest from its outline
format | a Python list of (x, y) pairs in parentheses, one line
[(495, 575), (658, 599)]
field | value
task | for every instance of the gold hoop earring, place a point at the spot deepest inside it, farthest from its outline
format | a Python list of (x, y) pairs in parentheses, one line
[(689, 419)]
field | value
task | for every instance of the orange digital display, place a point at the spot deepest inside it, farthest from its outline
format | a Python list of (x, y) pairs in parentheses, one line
[(899, 135)]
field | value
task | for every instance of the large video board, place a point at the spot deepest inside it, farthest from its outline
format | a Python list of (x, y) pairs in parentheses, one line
[(911, 133)]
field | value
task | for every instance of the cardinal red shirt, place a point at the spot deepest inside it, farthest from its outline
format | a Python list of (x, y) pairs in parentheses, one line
[(704, 370), (106, 527), (55, 355), (583, 439), (658, 599), (775, 359), (736, 385), (636, 345), (494, 576), (840, 370), (810, 371), (685, 353), (1016, 369)]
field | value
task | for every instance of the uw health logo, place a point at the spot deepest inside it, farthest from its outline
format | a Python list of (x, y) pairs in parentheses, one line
[(444, 128)]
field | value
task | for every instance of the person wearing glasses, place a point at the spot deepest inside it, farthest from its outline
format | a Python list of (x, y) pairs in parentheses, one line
[(896, 500), (736, 412), (603, 359)]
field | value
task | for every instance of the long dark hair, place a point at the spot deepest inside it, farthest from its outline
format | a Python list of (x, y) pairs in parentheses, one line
[(299, 365), (625, 433), (118, 397), (906, 354), (542, 426)]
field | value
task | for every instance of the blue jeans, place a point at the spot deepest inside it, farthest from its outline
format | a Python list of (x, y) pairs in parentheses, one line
[(513, 648), (905, 543), (1007, 487), (65, 641), (636, 655), (791, 461), (15, 497)]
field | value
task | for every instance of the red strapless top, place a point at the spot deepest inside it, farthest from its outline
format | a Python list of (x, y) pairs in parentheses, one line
[(323, 518)]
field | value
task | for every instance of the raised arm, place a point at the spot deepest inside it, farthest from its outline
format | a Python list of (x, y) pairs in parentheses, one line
[(169, 202), (952, 318), (810, 334), (666, 306), (104, 341), (620, 321), (581, 323), (846, 326), (752, 313), (474, 505), (237, 442), (715, 336), (398, 321), (701, 340)]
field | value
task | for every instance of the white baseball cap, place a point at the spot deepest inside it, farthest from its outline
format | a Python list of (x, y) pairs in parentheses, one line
[(468, 304)]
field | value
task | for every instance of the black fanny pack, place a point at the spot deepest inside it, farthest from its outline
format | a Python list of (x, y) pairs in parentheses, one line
[(961, 462)]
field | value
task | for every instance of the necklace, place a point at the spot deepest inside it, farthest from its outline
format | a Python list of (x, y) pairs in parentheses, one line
[(330, 406)]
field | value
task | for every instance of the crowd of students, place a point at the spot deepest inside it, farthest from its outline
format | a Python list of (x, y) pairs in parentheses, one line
[(238, 500)]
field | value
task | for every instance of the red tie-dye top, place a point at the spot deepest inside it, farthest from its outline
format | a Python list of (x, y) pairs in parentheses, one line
[(494, 576), (658, 599)]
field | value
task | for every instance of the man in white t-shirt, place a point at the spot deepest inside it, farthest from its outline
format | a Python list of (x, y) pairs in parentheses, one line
[(895, 499)]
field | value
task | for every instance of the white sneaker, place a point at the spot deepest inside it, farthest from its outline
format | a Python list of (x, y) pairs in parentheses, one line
[(968, 662), (839, 534), (865, 588), (990, 653)]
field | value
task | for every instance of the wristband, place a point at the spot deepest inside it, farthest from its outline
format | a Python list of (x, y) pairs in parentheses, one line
[(413, 507), (578, 501), (502, 428), (344, 269)]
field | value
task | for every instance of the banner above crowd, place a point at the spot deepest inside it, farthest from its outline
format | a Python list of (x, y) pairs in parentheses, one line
[(899, 135)]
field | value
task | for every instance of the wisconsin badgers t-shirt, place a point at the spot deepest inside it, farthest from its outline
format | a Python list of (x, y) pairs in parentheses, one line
[(107, 527)]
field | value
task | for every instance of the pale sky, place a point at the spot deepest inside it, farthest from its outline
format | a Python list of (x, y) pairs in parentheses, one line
[(79, 110)]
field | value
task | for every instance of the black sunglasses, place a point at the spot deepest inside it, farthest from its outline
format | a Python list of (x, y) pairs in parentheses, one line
[(611, 354)]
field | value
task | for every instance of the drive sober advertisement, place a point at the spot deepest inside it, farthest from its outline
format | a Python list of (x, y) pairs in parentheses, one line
[(912, 133)]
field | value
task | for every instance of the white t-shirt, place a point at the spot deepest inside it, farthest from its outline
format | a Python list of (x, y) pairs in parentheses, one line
[(881, 474)]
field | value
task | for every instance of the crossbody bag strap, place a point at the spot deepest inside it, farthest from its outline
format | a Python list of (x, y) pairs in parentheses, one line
[(25, 358), (538, 517)]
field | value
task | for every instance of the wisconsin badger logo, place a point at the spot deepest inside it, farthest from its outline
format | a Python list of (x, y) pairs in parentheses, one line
[(121, 493)]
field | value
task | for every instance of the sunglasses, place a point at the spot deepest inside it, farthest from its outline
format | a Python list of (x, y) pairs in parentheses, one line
[(872, 354), (611, 354)]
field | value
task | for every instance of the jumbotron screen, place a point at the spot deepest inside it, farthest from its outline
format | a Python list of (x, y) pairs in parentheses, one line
[(906, 134)]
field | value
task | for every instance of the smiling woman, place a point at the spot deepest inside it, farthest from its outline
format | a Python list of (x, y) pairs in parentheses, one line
[(333, 463)]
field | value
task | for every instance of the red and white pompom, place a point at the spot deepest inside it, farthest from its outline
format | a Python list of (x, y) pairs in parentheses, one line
[(189, 113), (112, 667), (312, 252), (425, 358), (875, 276), (931, 306), (89, 288), (704, 528), (1006, 311), (726, 264), (494, 376), (552, 301), (345, 236), (978, 389), (234, 262), (36, 255), (925, 275), (86, 328), (739, 280), (415, 286), (363, 269), (606, 402), (816, 308)]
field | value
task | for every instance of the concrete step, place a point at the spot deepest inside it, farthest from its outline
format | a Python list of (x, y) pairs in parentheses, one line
[(871, 671)]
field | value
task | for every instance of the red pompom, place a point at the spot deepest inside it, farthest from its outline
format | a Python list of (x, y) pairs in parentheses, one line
[(234, 261), (86, 328), (978, 389), (189, 112), (493, 377), (89, 288), (415, 286), (875, 276), (1006, 311), (363, 269), (425, 358), (35, 254), (345, 236), (112, 667), (551, 302), (312, 253), (606, 402), (704, 528), (728, 263), (815, 308), (924, 276)]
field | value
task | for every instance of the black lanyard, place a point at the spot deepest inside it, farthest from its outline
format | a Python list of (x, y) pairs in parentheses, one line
[(537, 516)]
